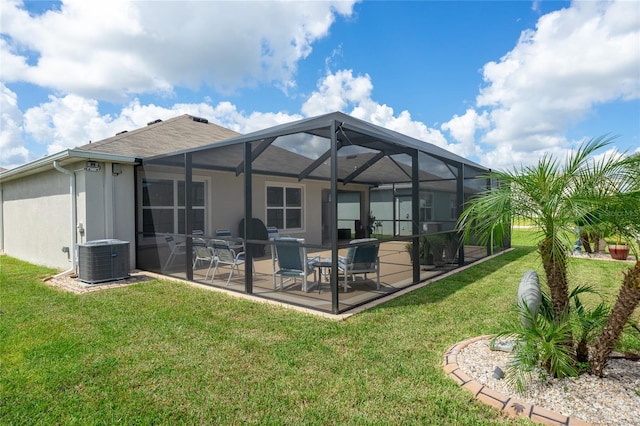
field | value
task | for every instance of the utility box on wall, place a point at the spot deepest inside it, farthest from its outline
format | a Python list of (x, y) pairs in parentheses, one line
[(103, 260)]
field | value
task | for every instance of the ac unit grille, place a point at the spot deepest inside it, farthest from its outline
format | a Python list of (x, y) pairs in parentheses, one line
[(103, 260)]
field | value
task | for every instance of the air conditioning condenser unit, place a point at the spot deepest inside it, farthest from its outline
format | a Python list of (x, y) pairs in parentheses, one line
[(103, 260)]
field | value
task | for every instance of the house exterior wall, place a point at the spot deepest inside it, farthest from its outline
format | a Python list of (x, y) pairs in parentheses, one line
[(109, 203), (106, 205), (37, 213), (225, 200), (37, 219)]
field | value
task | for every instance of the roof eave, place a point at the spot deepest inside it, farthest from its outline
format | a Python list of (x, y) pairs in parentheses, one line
[(68, 155)]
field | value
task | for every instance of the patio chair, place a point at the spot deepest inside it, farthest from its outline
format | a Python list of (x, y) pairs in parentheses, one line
[(292, 261), (202, 253), (361, 259), (225, 255), (175, 249), (223, 233), (273, 232)]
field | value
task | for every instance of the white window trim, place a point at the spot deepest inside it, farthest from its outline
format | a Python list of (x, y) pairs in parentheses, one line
[(453, 206), (175, 179), (303, 201)]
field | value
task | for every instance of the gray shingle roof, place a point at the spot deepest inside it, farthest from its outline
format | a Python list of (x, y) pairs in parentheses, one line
[(157, 138)]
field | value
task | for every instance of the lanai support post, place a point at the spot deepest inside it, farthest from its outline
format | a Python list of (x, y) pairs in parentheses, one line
[(335, 308), (415, 215), (248, 214), (188, 207), (459, 209)]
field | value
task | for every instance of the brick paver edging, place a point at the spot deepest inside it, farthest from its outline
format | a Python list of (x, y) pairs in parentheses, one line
[(509, 406)]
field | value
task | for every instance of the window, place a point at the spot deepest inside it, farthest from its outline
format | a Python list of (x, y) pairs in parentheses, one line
[(425, 206), (453, 206), (284, 206), (163, 206)]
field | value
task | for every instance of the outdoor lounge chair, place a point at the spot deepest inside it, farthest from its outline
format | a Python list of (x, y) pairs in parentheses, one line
[(361, 259), (292, 262), (225, 255)]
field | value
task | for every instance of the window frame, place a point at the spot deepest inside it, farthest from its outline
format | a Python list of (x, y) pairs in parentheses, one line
[(284, 186), (453, 206), (176, 208)]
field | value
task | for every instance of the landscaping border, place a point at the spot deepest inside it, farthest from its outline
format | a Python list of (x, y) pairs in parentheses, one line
[(509, 406)]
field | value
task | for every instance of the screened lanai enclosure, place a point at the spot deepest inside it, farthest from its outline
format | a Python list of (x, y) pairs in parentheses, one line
[(326, 213)]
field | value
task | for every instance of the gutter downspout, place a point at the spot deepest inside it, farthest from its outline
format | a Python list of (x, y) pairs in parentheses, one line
[(74, 218)]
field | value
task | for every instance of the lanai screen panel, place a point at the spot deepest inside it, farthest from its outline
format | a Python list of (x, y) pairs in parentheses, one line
[(299, 155), (161, 206), (221, 158)]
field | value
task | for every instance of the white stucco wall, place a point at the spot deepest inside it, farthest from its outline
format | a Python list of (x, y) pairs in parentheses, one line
[(225, 199), (37, 219), (106, 205), (37, 213)]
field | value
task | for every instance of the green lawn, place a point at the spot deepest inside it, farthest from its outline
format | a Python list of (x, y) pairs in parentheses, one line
[(161, 352)]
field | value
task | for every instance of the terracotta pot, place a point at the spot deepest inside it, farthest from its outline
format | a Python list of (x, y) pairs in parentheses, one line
[(619, 251)]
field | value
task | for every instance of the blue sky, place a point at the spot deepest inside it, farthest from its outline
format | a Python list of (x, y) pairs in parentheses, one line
[(499, 82)]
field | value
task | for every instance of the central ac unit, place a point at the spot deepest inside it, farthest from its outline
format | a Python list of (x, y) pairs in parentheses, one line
[(103, 260)]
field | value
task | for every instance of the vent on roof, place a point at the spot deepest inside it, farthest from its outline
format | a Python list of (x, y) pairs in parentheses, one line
[(199, 120), (119, 133), (154, 122)]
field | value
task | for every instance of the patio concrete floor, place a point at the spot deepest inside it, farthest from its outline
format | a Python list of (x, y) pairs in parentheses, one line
[(395, 274)]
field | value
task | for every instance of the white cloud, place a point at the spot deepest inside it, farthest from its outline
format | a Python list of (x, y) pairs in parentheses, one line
[(464, 129), (337, 92), (12, 150), (111, 50), (576, 59), (65, 122), (71, 121), (342, 91)]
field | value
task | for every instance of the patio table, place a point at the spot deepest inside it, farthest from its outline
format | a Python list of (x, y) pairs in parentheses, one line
[(324, 269)]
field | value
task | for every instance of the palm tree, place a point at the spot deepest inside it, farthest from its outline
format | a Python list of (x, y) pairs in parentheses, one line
[(623, 215), (554, 196), (627, 301)]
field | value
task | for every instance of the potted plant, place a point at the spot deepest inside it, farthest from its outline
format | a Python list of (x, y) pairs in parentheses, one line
[(371, 224), (619, 250), (437, 244), (424, 252), (451, 246)]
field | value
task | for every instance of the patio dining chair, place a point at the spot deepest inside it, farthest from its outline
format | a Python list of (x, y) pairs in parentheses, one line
[(292, 261), (202, 253), (175, 249), (273, 232), (223, 234), (226, 256), (361, 259)]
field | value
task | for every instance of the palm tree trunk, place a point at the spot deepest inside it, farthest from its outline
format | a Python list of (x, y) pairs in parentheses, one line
[(586, 244), (555, 268), (628, 299)]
